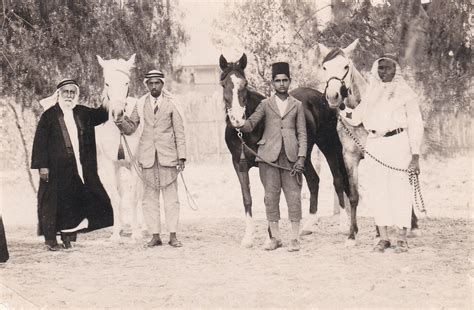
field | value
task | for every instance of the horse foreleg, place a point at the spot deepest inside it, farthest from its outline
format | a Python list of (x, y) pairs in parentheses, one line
[(312, 180), (127, 189), (352, 167), (244, 180), (136, 203), (108, 175), (414, 231), (335, 159)]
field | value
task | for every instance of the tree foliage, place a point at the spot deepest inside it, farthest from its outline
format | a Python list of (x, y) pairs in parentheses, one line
[(44, 41), (265, 30), (432, 41)]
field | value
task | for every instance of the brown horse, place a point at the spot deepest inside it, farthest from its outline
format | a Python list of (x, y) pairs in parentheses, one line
[(240, 102)]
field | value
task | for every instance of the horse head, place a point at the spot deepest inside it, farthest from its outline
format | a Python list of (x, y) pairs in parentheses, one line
[(116, 84), (343, 81), (234, 84)]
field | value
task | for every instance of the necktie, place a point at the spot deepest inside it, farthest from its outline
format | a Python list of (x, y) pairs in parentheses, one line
[(156, 106)]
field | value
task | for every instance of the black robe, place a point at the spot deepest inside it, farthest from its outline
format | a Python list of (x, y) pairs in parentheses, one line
[(3, 243), (64, 201)]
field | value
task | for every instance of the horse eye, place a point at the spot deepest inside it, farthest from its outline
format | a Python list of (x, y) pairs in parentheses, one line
[(324, 68), (107, 84), (346, 67)]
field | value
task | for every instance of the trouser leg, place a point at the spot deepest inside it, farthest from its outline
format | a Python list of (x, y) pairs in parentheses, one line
[(151, 199), (271, 181), (171, 206)]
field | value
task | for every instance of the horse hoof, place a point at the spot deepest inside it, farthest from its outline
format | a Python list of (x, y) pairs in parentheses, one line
[(350, 243), (246, 243), (305, 232), (116, 238), (413, 233), (267, 243)]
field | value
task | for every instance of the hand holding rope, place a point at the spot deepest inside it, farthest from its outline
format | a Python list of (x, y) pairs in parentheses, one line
[(191, 202), (293, 172), (412, 174)]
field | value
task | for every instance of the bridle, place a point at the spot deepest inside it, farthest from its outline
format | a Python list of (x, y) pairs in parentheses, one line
[(105, 93), (344, 90), (223, 79)]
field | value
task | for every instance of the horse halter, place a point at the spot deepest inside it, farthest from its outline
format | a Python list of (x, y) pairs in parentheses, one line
[(344, 90), (224, 77)]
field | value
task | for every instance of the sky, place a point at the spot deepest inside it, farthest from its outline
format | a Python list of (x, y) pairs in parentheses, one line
[(197, 23)]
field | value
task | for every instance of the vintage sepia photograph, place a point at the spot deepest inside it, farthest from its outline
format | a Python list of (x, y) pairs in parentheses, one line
[(236, 154)]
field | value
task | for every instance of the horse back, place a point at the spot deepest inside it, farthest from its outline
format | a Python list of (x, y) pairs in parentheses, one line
[(321, 121)]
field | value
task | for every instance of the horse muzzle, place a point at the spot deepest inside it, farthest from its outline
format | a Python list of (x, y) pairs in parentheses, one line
[(117, 115)]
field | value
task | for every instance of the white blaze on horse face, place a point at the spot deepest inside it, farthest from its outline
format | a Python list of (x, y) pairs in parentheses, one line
[(336, 67), (237, 111)]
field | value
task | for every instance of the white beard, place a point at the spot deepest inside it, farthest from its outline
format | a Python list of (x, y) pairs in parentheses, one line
[(67, 104)]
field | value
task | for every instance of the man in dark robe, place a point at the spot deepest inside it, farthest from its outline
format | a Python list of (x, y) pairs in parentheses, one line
[(71, 197), (3, 243)]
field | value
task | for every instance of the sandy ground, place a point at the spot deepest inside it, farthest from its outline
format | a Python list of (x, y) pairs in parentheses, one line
[(213, 271)]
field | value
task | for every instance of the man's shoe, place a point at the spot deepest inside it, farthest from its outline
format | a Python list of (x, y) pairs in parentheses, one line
[(381, 246), (175, 243), (273, 244), (402, 247), (53, 248), (294, 245), (153, 242)]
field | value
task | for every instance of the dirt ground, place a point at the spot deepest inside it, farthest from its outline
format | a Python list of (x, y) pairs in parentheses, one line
[(213, 271)]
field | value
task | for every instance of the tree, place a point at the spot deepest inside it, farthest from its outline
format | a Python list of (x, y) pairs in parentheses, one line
[(270, 31), (44, 41)]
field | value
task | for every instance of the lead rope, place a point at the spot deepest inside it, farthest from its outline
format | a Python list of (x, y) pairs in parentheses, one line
[(299, 177), (191, 202), (413, 177)]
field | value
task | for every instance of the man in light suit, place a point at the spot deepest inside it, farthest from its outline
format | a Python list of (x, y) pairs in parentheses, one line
[(161, 154), (284, 143)]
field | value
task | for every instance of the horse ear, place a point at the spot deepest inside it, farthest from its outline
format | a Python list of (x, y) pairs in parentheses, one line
[(131, 61), (243, 61), (323, 50), (101, 61), (223, 62), (350, 48)]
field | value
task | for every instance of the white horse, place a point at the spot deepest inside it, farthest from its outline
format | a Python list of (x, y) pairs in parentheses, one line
[(345, 87), (120, 178)]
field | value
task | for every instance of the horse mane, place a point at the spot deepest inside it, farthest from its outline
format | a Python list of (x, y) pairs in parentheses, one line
[(358, 83), (253, 100), (333, 54)]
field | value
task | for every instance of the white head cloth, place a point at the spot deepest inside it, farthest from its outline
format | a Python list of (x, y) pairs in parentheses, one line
[(161, 76), (50, 101), (379, 94)]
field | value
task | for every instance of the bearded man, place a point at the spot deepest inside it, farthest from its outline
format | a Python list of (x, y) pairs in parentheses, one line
[(71, 197)]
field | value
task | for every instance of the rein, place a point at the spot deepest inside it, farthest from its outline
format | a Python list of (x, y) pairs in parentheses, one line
[(413, 176), (242, 157), (191, 202), (344, 90)]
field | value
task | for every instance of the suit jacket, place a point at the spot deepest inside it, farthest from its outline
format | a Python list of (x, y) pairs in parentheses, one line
[(162, 132), (289, 129)]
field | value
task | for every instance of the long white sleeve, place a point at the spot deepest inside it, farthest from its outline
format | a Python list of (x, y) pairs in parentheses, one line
[(414, 126)]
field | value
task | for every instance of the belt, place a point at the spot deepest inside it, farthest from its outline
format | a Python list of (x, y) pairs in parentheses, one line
[(390, 133)]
